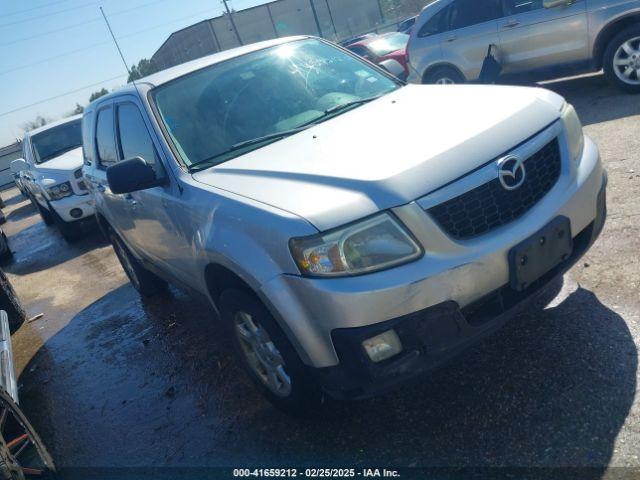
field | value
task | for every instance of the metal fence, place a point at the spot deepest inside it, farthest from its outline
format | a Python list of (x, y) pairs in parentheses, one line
[(332, 19)]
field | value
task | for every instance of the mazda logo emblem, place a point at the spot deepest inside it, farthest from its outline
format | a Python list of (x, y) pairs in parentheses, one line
[(511, 172)]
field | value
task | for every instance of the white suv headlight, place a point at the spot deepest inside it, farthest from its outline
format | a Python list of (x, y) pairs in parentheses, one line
[(573, 129), (372, 244), (59, 191)]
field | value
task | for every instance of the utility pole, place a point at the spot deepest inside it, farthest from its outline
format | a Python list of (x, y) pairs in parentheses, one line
[(233, 24)]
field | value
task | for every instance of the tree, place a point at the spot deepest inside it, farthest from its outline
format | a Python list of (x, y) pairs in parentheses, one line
[(37, 122), (98, 94), (145, 67), (78, 110)]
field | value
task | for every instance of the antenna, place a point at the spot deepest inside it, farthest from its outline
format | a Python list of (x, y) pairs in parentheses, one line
[(119, 51)]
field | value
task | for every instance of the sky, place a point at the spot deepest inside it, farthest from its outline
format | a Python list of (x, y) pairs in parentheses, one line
[(51, 47)]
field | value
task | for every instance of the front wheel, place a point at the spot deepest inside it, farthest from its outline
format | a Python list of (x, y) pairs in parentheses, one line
[(46, 215), (622, 60), (267, 355), (71, 231)]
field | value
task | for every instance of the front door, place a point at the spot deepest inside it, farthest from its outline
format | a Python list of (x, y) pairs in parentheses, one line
[(533, 37)]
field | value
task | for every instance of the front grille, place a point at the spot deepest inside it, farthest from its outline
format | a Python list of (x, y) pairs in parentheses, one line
[(490, 205), (78, 173)]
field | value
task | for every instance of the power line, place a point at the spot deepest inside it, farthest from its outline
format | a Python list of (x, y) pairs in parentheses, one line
[(44, 15), (26, 10), (64, 94), (99, 44), (79, 24)]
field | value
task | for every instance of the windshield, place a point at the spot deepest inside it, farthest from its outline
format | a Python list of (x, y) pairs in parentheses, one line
[(388, 44), (55, 141), (211, 111)]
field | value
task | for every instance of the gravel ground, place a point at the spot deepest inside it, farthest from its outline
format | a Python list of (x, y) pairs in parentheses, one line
[(110, 380)]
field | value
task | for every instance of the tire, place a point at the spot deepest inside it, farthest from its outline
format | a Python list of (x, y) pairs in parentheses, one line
[(302, 396), (9, 468), (145, 282), (46, 215), (7, 254), (10, 303), (443, 76), (71, 231), (615, 53)]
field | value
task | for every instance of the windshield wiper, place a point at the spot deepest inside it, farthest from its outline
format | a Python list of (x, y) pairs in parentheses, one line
[(252, 141), (342, 106)]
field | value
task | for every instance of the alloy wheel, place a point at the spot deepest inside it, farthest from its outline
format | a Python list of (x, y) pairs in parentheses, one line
[(262, 355), (445, 81), (626, 61)]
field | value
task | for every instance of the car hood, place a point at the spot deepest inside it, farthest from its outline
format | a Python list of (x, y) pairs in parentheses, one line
[(62, 164), (388, 152)]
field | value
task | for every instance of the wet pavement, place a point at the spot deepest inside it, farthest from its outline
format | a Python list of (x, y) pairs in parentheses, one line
[(111, 380)]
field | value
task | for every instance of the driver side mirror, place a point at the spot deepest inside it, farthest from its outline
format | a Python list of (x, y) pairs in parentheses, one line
[(19, 165), (557, 3), (132, 175)]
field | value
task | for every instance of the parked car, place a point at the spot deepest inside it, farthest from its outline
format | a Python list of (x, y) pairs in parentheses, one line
[(51, 172), (357, 38), (538, 37), (382, 48), (405, 26), (340, 264)]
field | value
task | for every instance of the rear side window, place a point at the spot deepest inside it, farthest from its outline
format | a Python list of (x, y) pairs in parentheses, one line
[(135, 140), (465, 13), (436, 24), (105, 138), (87, 147), (513, 7)]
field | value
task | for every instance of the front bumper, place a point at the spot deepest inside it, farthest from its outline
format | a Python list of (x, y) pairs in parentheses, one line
[(463, 271), (436, 334), (65, 206)]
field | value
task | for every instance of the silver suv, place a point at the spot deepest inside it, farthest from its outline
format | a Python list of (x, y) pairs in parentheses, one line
[(451, 37), (351, 231)]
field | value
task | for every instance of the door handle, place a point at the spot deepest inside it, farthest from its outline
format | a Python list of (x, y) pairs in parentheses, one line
[(511, 24), (452, 38)]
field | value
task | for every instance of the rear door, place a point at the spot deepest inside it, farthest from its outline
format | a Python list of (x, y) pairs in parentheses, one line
[(533, 37), (472, 27)]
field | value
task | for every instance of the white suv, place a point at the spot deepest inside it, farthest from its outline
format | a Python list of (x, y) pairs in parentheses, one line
[(52, 173)]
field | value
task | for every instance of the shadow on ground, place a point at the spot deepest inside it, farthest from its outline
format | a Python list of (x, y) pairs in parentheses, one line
[(153, 383), (35, 249), (22, 212)]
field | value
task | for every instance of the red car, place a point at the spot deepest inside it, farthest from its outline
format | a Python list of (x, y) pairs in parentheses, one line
[(389, 46)]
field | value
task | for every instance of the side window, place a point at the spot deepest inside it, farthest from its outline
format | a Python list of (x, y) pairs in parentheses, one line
[(135, 140), (86, 140), (465, 13), (359, 50), (436, 24), (514, 7), (105, 138)]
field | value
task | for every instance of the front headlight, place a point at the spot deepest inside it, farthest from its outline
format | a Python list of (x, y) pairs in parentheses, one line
[(573, 129), (59, 191), (372, 244)]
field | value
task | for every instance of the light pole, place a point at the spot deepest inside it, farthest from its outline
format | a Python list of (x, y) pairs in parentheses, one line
[(233, 24)]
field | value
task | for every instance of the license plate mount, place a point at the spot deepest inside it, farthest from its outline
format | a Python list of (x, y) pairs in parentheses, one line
[(540, 253)]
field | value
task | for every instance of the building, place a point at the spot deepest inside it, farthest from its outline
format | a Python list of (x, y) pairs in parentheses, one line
[(332, 19), (7, 155)]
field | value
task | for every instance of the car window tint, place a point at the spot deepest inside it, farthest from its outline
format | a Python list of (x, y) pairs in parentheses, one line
[(465, 13), (105, 139), (436, 24), (86, 140), (359, 50), (513, 7), (135, 140)]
